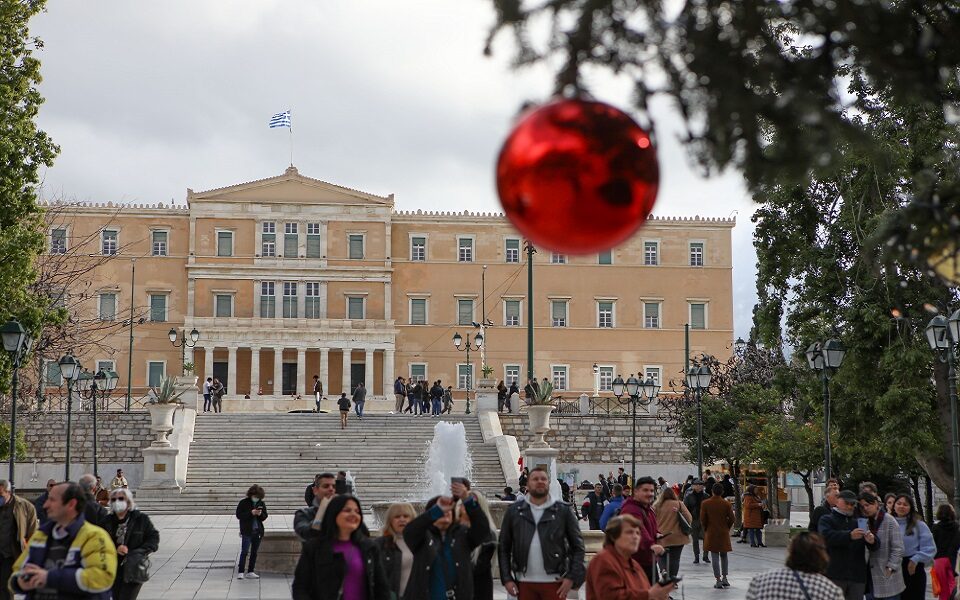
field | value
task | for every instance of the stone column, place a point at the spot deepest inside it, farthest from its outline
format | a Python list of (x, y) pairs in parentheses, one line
[(278, 371), (254, 371), (256, 299), (188, 357), (231, 369), (325, 370), (301, 371), (207, 362), (388, 373), (346, 371), (368, 372)]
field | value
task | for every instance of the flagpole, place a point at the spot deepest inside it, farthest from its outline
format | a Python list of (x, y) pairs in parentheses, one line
[(290, 127)]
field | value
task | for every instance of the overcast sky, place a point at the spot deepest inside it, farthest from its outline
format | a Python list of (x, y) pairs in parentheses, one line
[(148, 99)]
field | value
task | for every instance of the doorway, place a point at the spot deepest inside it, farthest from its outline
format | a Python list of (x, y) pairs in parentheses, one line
[(289, 386), (222, 372), (358, 374)]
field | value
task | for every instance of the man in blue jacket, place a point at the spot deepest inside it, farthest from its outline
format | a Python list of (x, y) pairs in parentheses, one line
[(610, 510)]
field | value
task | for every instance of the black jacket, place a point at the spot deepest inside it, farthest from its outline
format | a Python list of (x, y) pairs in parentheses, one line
[(320, 571), (818, 512), (94, 512), (560, 539), (692, 501), (946, 535), (597, 504), (141, 536), (436, 393), (848, 560), (391, 557), (308, 495), (246, 517), (424, 540)]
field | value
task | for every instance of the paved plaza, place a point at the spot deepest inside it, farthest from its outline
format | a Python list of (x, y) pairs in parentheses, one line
[(198, 554)]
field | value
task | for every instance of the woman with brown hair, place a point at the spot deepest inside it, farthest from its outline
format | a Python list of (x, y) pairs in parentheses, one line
[(803, 576), (251, 512), (394, 552), (716, 518), (613, 574), (669, 513)]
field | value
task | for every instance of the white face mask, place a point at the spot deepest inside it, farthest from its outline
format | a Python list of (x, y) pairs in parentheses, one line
[(119, 505)]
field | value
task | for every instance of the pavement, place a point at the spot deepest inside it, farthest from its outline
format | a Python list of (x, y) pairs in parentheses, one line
[(198, 555)]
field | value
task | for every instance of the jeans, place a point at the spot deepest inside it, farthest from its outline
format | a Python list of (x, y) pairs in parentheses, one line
[(206, 403), (755, 537), (670, 560), (696, 534), (358, 407), (721, 564), (248, 543), (436, 407), (412, 405), (424, 406)]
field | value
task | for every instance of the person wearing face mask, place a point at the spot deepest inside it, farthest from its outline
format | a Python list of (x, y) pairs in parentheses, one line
[(18, 521), (847, 543), (135, 537), (251, 512), (394, 552)]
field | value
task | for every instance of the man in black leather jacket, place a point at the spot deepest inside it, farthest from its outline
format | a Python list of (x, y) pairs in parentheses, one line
[(540, 543)]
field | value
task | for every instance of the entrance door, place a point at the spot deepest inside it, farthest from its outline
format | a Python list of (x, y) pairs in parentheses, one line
[(358, 373), (222, 372), (289, 379)]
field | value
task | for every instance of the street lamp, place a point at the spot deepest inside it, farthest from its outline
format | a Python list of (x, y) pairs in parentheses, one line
[(184, 343), (70, 370), (458, 341), (825, 358), (943, 335), (596, 380), (89, 385), (17, 343), (638, 392), (698, 379)]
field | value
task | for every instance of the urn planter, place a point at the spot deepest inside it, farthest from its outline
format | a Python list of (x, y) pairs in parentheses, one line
[(539, 415), (161, 422)]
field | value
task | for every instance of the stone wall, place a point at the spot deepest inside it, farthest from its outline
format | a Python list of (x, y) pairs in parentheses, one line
[(121, 436), (602, 440)]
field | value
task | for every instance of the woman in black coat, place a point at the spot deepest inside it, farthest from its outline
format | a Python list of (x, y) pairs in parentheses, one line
[(251, 512), (342, 563), (134, 536), (434, 536)]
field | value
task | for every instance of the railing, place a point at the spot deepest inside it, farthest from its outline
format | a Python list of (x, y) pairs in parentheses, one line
[(603, 406)]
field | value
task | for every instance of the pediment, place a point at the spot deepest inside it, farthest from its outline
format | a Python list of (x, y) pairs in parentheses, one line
[(290, 188)]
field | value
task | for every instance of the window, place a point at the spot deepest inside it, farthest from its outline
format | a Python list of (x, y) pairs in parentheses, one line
[(652, 373), (158, 307), (559, 377), (651, 253), (356, 245), (465, 249), (558, 259), (224, 243), (464, 312), (105, 365), (418, 372), (511, 311), (291, 239), (464, 377), (314, 247), (418, 311), (51, 374), (418, 248), (268, 300), (155, 370), (355, 307), (511, 375), (159, 239), (651, 315), (108, 242), (311, 306), (558, 313), (696, 254), (698, 315), (108, 307), (604, 314), (268, 239), (223, 305), (58, 296), (58, 241), (606, 378), (605, 258), (512, 250), (289, 299)]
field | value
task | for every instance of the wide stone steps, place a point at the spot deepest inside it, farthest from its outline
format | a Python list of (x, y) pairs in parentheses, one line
[(281, 452)]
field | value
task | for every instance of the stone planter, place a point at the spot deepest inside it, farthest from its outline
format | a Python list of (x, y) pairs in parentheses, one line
[(161, 422), (539, 423), (776, 533)]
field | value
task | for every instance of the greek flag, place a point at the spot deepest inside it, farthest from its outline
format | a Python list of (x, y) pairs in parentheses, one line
[(281, 120)]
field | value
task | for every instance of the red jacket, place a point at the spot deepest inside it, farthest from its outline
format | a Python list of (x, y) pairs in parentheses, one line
[(648, 529)]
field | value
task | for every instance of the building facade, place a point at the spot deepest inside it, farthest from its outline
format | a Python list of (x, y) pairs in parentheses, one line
[(289, 277)]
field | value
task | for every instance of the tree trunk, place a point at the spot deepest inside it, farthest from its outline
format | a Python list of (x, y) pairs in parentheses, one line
[(928, 492), (805, 477), (773, 493), (940, 471), (917, 501), (940, 465), (737, 496)]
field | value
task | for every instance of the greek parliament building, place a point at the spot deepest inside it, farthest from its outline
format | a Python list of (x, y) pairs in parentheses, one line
[(289, 277)]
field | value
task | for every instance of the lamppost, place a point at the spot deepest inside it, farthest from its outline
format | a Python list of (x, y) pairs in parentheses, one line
[(943, 336), (825, 358), (639, 392), (458, 341), (17, 342), (184, 343), (70, 370), (596, 380), (89, 384), (698, 379)]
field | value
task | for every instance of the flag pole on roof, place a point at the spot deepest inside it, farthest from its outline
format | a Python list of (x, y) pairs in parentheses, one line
[(283, 120)]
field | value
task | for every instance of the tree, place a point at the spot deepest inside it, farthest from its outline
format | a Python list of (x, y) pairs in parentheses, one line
[(792, 446)]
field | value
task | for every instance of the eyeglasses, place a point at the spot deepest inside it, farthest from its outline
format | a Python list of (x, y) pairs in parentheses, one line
[(117, 498)]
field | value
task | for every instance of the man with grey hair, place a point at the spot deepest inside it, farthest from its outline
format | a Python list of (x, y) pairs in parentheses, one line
[(93, 512), (18, 521), (829, 501)]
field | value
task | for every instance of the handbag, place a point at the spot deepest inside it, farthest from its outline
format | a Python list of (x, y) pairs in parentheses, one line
[(685, 526), (136, 569)]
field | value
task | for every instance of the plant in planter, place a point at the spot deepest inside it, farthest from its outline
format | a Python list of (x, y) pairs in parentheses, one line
[(541, 405), (188, 368), (542, 394), (486, 370), (163, 402), (165, 393)]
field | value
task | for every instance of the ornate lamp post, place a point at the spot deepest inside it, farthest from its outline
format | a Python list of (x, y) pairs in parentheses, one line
[(638, 392), (459, 344), (825, 358), (17, 343), (943, 335), (89, 384), (596, 380), (70, 370), (698, 379), (184, 343)]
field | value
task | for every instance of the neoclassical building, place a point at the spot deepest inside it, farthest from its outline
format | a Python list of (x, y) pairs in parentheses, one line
[(290, 277)]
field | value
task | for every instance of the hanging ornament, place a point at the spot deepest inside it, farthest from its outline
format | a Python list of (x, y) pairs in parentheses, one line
[(577, 176)]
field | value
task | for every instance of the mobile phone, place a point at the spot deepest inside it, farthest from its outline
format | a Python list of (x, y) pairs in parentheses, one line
[(24, 576), (862, 524)]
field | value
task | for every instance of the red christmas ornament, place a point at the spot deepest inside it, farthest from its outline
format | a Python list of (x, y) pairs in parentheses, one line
[(577, 176)]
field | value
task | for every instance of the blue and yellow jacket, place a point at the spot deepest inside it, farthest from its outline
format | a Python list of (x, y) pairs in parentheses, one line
[(89, 568)]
